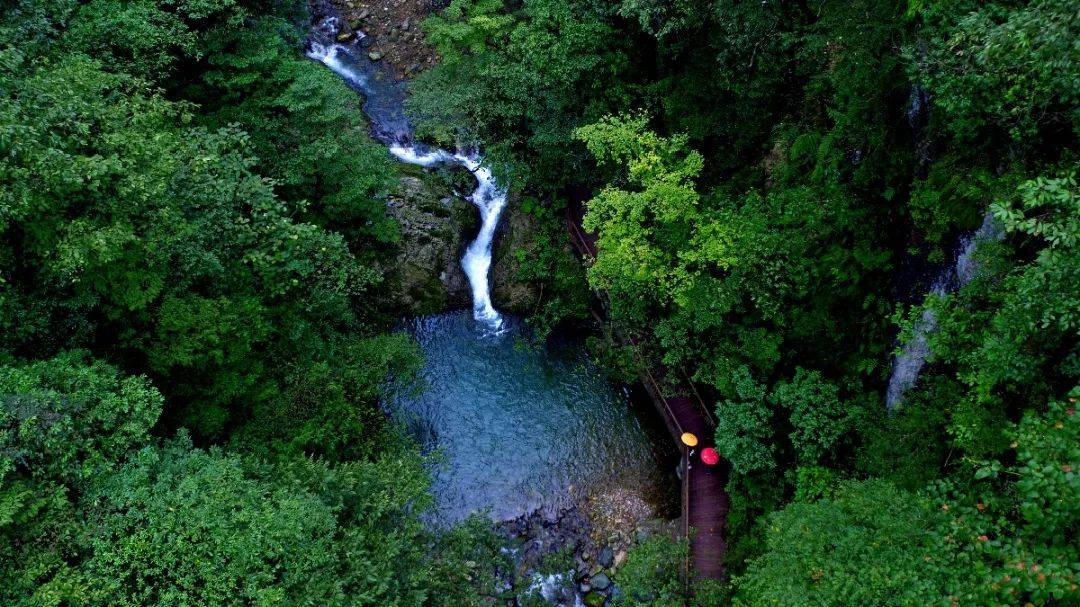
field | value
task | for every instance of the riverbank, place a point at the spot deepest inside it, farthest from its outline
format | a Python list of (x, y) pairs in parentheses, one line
[(576, 558)]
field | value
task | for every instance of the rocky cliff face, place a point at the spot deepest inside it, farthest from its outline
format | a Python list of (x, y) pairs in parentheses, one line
[(436, 226), (517, 232)]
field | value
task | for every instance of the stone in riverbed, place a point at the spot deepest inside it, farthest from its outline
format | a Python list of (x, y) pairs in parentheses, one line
[(620, 559), (601, 581), (374, 55), (345, 36), (606, 556), (595, 599)]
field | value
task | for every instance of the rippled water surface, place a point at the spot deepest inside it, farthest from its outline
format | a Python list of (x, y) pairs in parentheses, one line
[(521, 429)]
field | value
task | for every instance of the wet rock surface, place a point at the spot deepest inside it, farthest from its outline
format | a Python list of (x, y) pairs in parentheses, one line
[(517, 232), (426, 275), (597, 549), (606, 557), (391, 31)]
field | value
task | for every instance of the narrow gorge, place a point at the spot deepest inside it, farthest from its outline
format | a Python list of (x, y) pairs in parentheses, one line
[(534, 437)]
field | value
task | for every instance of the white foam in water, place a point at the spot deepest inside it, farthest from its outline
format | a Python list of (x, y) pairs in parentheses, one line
[(412, 155), (488, 196), (490, 199), (328, 56), (549, 588)]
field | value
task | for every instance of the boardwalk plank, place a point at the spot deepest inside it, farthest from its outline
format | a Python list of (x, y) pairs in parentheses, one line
[(707, 501)]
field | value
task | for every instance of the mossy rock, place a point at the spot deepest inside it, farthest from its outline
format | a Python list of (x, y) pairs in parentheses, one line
[(517, 231), (426, 276), (595, 599)]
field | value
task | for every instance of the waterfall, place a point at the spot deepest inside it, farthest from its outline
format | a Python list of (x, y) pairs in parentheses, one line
[(490, 199), (384, 105), (918, 118), (913, 355)]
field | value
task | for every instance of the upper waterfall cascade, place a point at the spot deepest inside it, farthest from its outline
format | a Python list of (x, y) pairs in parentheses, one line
[(383, 104)]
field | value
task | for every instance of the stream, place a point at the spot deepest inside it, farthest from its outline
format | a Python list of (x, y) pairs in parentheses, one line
[(384, 100), (534, 437)]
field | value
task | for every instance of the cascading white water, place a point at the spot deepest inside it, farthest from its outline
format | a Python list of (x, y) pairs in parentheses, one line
[(912, 358), (552, 586), (490, 199), (328, 56), (425, 158), (488, 196)]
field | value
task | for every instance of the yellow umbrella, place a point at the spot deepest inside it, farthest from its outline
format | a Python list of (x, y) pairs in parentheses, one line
[(689, 439)]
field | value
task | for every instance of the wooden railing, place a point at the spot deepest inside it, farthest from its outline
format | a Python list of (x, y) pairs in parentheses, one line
[(581, 243), (676, 430)]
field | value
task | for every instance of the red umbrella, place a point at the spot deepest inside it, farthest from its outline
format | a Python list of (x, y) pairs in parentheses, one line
[(710, 456)]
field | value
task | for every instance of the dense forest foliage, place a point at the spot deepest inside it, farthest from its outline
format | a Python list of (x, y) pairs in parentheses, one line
[(193, 240), (774, 186), (191, 354)]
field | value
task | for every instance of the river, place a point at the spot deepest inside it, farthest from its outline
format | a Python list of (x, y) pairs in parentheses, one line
[(518, 431)]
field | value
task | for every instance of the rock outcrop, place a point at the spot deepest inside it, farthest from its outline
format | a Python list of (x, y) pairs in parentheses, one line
[(517, 231), (436, 226)]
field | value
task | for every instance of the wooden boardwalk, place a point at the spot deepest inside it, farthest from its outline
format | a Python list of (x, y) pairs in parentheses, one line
[(704, 498)]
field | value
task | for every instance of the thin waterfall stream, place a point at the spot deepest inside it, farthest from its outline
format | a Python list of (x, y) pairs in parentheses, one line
[(385, 108), (914, 354)]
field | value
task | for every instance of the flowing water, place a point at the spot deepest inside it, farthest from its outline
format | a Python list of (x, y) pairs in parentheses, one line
[(520, 429), (490, 199), (384, 103), (516, 430), (913, 355)]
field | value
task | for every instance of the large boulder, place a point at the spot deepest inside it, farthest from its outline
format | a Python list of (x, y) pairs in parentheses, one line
[(606, 556), (517, 231), (601, 581), (436, 226)]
